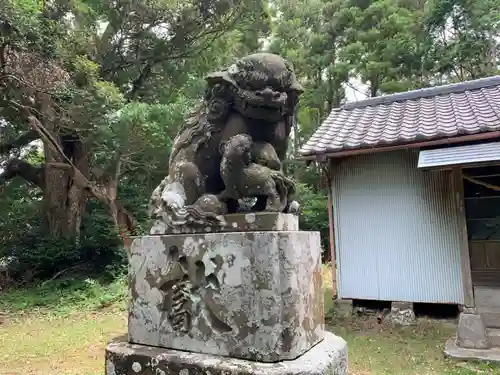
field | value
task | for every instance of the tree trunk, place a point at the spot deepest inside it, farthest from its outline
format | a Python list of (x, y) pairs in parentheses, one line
[(374, 86), (296, 136), (56, 196), (77, 197), (64, 200)]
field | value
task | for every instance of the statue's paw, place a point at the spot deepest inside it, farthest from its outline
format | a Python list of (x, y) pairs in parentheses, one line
[(159, 227), (294, 208), (211, 203), (246, 204)]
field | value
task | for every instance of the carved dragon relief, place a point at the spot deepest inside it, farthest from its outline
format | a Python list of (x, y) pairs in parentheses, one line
[(257, 97)]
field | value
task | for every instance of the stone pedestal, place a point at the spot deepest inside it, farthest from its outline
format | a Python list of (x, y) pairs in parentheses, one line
[(228, 299), (250, 295)]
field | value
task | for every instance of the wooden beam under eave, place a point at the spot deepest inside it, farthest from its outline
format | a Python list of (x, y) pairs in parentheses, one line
[(403, 146), (331, 227), (458, 194)]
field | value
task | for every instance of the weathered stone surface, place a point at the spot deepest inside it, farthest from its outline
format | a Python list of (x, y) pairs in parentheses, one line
[(244, 222), (471, 332), (343, 307), (467, 310), (254, 295), (329, 357), (244, 178), (402, 314)]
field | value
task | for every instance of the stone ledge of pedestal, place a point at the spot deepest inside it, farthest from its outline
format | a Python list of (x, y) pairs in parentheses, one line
[(243, 222), (329, 357), (250, 295)]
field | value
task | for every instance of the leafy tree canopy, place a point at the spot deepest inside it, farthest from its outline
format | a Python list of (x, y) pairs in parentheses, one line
[(92, 93)]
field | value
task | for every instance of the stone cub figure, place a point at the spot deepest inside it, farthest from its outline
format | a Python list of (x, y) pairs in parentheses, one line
[(244, 178)]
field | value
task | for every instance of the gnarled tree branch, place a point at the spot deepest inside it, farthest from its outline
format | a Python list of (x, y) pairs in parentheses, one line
[(23, 169), (104, 193), (22, 140)]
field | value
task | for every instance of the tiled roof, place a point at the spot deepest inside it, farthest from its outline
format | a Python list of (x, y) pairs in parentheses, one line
[(414, 116)]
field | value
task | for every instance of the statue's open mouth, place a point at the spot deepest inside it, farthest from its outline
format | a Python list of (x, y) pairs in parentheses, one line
[(261, 111), (259, 108)]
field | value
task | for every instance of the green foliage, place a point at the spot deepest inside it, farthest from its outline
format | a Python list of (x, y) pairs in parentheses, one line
[(381, 45), (141, 135), (121, 78), (123, 75), (303, 34), (391, 45), (23, 24), (19, 205), (314, 214), (65, 296), (19, 16), (36, 255), (464, 37)]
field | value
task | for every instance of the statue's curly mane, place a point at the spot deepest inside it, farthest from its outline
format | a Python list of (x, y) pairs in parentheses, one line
[(194, 126), (205, 119)]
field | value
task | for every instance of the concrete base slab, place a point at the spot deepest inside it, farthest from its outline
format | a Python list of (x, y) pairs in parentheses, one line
[(452, 350), (328, 357), (494, 335)]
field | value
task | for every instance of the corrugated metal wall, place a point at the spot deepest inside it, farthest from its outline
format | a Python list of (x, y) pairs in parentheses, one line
[(396, 234)]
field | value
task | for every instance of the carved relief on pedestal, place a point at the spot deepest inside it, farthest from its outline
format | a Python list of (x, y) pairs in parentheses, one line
[(189, 291)]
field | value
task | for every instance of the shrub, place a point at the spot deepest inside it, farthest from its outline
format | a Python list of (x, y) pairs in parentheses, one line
[(34, 255), (314, 214)]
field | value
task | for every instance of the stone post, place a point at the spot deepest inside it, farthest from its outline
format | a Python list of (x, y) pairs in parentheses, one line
[(471, 331), (245, 301), (402, 314)]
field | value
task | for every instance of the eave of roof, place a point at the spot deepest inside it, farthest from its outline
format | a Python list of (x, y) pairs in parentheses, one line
[(438, 115)]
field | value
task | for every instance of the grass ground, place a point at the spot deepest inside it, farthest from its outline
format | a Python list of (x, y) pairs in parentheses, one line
[(62, 329)]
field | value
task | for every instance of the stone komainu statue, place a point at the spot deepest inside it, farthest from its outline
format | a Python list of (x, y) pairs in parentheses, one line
[(257, 96)]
